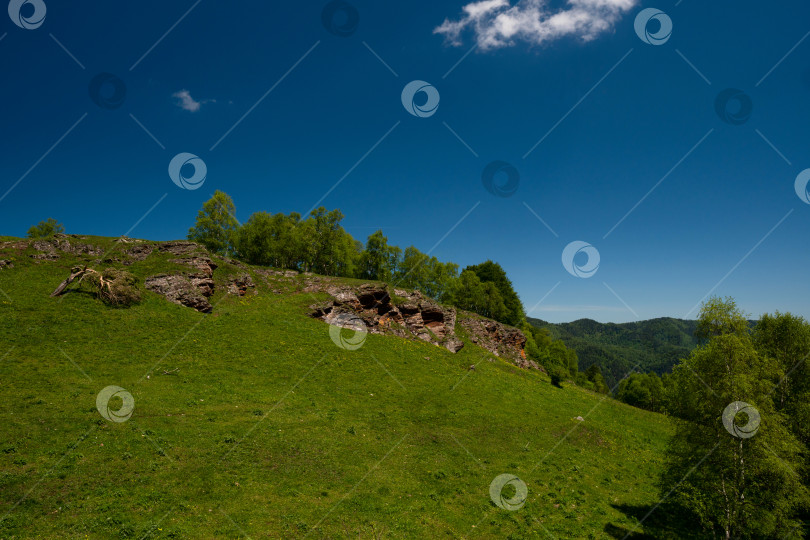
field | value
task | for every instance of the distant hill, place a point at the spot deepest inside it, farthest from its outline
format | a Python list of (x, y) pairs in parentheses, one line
[(653, 345)]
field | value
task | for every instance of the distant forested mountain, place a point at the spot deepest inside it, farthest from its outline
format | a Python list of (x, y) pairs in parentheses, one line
[(654, 345)]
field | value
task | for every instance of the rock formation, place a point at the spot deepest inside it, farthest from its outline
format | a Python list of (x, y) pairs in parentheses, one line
[(192, 289), (416, 316), (241, 284), (412, 315), (180, 290)]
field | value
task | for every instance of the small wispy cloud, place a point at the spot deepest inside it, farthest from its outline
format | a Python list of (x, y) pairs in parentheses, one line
[(498, 23), (188, 103)]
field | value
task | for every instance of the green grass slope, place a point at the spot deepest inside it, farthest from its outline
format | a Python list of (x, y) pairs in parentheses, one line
[(251, 422)]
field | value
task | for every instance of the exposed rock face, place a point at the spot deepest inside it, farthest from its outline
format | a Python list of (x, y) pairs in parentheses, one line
[(6, 264), (417, 317), (420, 317), (191, 290), (499, 339), (49, 250), (204, 265), (63, 244), (139, 252), (181, 247), (182, 290)]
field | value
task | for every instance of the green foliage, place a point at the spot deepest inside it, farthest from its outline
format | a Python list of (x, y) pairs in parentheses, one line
[(645, 391), (270, 240), (472, 294), (558, 360), (379, 261), (720, 316), (738, 487), (46, 229), (557, 376), (420, 271), (786, 339), (492, 272), (327, 247), (594, 375), (216, 225)]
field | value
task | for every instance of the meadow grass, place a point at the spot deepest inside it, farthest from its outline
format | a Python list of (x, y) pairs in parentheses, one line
[(251, 422)]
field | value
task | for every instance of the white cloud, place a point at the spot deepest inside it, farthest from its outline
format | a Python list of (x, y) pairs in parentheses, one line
[(188, 103), (497, 23)]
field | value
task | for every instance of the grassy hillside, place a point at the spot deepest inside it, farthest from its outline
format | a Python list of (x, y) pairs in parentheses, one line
[(251, 422), (653, 345)]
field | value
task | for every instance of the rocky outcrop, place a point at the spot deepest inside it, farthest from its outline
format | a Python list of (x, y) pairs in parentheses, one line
[(64, 245), (191, 290), (47, 251), (51, 249), (182, 290), (138, 253), (499, 339), (6, 264), (181, 247), (240, 285), (416, 316)]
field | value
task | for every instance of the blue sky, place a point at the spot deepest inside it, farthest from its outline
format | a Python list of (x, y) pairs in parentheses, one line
[(616, 116)]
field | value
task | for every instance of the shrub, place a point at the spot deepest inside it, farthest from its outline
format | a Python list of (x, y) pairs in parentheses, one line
[(557, 376), (115, 287), (45, 229)]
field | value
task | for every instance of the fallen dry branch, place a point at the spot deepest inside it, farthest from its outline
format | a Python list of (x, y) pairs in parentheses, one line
[(75, 273)]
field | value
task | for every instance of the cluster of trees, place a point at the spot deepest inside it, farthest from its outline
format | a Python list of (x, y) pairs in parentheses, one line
[(645, 391), (742, 475), (485, 289), (318, 243)]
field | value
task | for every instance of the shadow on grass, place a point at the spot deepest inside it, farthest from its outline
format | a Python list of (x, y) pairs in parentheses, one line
[(666, 521)]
